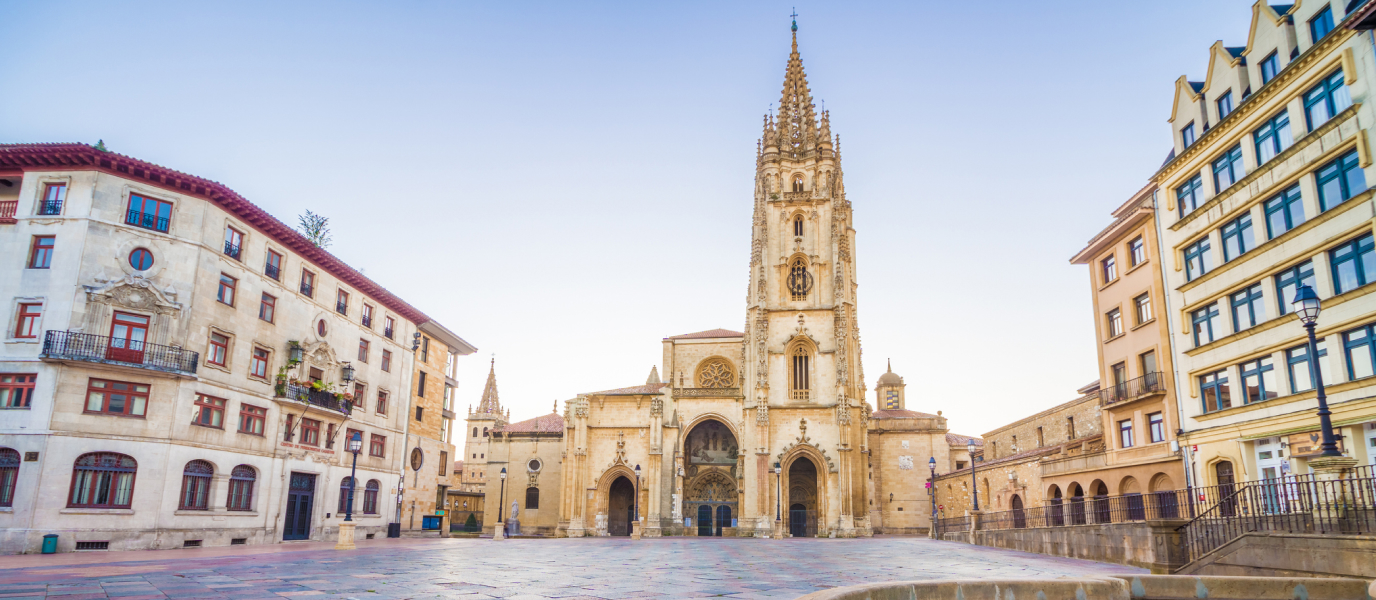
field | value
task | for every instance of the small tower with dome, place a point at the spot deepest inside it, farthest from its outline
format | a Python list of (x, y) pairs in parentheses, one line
[(888, 391)]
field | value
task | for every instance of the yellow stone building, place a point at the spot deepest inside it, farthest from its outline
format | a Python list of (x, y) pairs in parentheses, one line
[(430, 449)]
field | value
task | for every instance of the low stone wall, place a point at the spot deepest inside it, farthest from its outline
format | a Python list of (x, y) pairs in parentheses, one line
[(1145, 587), (1290, 555), (1153, 545)]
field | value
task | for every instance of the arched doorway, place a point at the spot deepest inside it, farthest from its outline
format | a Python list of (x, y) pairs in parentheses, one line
[(710, 490), (704, 521), (723, 518), (802, 498), (1223, 471), (1101, 511), (1019, 518), (1077, 504), (620, 503), (1057, 508)]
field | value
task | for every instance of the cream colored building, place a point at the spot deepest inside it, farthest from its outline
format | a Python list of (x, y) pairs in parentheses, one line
[(1267, 183), (161, 338), (429, 430)]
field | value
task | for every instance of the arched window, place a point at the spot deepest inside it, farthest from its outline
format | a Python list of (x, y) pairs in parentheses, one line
[(797, 182), (799, 376), (102, 480), (241, 488), (196, 485), (484, 432), (370, 497), (799, 280), (9, 472), (475, 432), (345, 486), (798, 226), (532, 498)]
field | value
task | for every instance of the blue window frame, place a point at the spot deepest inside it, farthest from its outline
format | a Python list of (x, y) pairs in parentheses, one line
[(1137, 251), (1248, 308), (1273, 137), (1353, 264), (1237, 237), (1204, 323), (1360, 351), (1187, 134), (1326, 99), (1198, 260), (1188, 195), (1228, 169), (1213, 390), (1269, 67), (1259, 381), (1288, 282), (1225, 104), (1297, 362), (1321, 24), (1284, 212), (1340, 180)]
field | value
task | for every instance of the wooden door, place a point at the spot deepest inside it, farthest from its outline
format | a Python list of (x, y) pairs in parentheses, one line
[(300, 498), (128, 333)]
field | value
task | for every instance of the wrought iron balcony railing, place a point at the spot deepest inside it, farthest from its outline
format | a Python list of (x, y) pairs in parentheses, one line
[(387, 332), (232, 251), (1132, 389), (50, 207), (272, 271), (367, 321), (146, 221), (342, 307), (307, 289), (314, 397), (71, 345)]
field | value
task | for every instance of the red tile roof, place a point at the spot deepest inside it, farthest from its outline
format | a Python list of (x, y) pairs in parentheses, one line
[(649, 388), (710, 333), (550, 423), (894, 413), (458, 466), (83, 157)]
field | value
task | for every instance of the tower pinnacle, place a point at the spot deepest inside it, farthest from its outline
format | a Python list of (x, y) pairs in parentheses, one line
[(490, 404)]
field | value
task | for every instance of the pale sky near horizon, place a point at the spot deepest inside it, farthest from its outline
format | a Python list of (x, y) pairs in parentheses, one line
[(565, 184)]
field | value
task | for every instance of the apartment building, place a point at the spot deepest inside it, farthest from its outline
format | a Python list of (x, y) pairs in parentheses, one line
[(178, 368), (426, 483), (1266, 189)]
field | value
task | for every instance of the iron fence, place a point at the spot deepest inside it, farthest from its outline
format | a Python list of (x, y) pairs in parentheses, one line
[(50, 207), (147, 220), (232, 251), (321, 398), (102, 349), (951, 525)]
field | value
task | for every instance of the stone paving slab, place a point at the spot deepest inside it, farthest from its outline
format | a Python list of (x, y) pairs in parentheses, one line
[(562, 569)]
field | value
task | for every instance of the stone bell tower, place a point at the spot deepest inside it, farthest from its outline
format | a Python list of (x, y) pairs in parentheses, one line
[(803, 383)]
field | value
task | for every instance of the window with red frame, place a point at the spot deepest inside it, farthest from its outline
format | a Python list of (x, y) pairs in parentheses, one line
[(367, 315), (41, 252), (310, 432), (308, 283), (341, 302), (228, 286), (363, 351), (258, 365), (370, 497), (210, 411), (196, 486), (241, 481), (349, 435), (54, 194), (381, 402), (273, 267), (149, 213), (377, 446), (267, 311), (360, 395), (26, 326), (329, 436), (219, 349), (388, 325), (234, 243), (119, 398), (9, 474), (16, 389), (102, 480), (290, 429), (387, 361), (252, 419), (346, 493)]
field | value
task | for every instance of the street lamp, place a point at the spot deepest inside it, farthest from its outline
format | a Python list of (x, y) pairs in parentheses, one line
[(970, 447), (355, 444), (635, 501), (779, 495), (348, 374), (1306, 305), (931, 485), (501, 501)]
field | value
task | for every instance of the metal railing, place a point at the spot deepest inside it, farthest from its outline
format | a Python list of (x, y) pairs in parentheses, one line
[(951, 525), (146, 220), (49, 207), (272, 271), (232, 251), (7, 210), (1093, 510), (367, 321), (341, 307), (1146, 385), (314, 397), (387, 332), (102, 349), (307, 289)]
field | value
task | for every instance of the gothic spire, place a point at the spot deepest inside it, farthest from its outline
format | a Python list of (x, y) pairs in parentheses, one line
[(490, 404), (797, 119)]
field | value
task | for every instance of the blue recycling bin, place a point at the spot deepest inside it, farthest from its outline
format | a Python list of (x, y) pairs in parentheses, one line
[(50, 543)]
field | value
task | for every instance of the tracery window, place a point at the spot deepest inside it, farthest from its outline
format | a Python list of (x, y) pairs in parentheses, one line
[(798, 226), (799, 280), (716, 373), (799, 379), (797, 182)]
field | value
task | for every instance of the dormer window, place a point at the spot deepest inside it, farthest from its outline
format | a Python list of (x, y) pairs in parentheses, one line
[(798, 183), (1269, 67), (1187, 134), (1225, 104)]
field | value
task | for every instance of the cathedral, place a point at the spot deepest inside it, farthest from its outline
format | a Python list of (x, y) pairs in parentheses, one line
[(758, 433)]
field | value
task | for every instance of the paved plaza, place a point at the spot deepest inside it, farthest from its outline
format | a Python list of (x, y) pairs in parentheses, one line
[(474, 569)]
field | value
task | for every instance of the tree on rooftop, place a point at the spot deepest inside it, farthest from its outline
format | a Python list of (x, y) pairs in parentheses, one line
[(316, 228)]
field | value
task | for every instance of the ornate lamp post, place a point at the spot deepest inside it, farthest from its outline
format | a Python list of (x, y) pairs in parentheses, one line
[(778, 500), (635, 506), (346, 529), (970, 447), (931, 488), (498, 531), (1306, 305)]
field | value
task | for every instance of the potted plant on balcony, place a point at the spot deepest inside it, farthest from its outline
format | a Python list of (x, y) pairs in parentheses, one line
[(280, 388)]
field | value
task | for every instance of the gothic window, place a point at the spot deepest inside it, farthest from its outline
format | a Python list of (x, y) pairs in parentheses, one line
[(716, 373), (798, 226), (799, 280), (798, 182), (799, 380)]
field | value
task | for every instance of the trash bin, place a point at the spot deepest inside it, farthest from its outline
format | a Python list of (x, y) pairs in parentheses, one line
[(394, 530), (50, 543)]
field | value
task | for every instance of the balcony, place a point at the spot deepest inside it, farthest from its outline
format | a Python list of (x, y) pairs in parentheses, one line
[(1150, 384), (50, 207), (274, 272), (342, 308), (69, 345), (318, 398), (146, 221), (7, 209), (387, 332), (367, 320), (232, 251), (307, 289)]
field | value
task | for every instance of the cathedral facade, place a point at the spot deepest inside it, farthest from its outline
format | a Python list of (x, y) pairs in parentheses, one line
[(761, 432)]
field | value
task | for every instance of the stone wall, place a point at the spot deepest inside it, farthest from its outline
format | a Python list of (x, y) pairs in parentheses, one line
[(1152, 544), (1055, 424), (1290, 555)]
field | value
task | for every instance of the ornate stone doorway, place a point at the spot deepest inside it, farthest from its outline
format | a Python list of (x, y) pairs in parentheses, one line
[(712, 495), (802, 498), (620, 504)]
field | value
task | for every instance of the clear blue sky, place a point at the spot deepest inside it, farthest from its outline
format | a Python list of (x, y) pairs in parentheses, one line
[(564, 184)]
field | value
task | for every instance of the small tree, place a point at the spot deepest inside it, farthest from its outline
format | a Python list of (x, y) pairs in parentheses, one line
[(316, 228), (471, 524)]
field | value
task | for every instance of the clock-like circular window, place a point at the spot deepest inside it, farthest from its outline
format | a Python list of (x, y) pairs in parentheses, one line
[(141, 259), (534, 465), (320, 327)]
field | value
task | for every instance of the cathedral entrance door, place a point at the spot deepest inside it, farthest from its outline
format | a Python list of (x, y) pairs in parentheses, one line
[(802, 498), (704, 521), (798, 520), (723, 518), (619, 507)]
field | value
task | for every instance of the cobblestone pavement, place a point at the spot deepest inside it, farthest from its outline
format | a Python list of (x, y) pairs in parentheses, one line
[(474, 569)]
